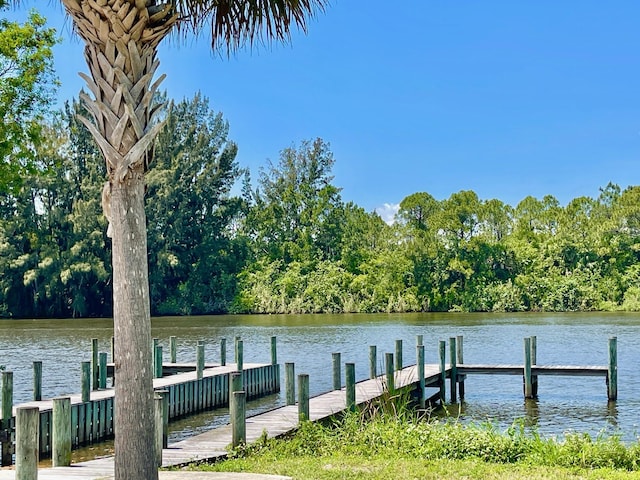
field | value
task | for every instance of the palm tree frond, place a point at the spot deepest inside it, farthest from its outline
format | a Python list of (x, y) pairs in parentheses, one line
[(235, 22)]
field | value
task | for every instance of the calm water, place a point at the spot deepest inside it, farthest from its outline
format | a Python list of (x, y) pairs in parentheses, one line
[(564, 404)]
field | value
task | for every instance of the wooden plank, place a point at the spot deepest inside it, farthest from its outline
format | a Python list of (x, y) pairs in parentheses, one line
[(563, 370)]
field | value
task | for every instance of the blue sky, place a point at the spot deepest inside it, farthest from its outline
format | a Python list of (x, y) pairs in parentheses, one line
[(505, 98)]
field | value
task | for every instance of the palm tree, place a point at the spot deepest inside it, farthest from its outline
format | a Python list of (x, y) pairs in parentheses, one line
[(121, 40)]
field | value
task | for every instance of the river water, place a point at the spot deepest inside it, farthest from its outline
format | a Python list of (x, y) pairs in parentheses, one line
[(564, 403)]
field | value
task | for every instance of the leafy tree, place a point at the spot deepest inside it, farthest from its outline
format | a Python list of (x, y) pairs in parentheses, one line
[(27, 86)]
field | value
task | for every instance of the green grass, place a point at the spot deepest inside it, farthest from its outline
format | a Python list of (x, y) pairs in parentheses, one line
[(389, 444)]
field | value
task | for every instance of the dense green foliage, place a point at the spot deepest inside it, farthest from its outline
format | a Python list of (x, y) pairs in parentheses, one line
[(27, 85), (292, 245), (388, 445)]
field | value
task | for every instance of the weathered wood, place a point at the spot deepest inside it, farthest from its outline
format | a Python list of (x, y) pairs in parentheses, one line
[(37, 381), (199, 360), (236, 385), (6, 452), (173, 349), (554, 370), (442, 348), (61, 432), (27, 441), (612, 371), (528, 388), (238, 419), (274, 351), (239, 355), (534, 361), (350, 376), (95, 374), (399, 355), (303, 397), (223, 352), (373, 361), (102, 370), (421, 382), (337, 375), (453, 376), (419, 339), (159, 424), (85, 384), (389, 371), (157, 360), (460, 355), (289, 383)]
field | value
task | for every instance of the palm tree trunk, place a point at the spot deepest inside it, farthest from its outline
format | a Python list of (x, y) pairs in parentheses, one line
[(121, 38)]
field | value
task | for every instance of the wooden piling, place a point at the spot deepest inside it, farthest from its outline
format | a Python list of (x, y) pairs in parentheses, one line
[(442, 349), (235, 385), (612, 373), (528, 388), (350, 378), (337, 375), (37, 381), (238, 419), (373, 361), (421, 380), (94, 364), (6, 414), (223, 352), (159, 424), (164, 394), (199, 360), (61, 432), (113, 360), (239, 354), (274, 351), (389, 371), (399, 362), (102, 370), (303, 397), (157, 361), (460, 355), (534, 361), (86, 381), (173, 349), (453, 358), (419, 340), (27, 442), (289, 382)]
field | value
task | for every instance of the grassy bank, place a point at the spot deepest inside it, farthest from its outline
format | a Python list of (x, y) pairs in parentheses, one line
[(388, 446)]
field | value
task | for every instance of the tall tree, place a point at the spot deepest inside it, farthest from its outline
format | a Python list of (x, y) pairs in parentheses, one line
[(121, 40), (27, 85)]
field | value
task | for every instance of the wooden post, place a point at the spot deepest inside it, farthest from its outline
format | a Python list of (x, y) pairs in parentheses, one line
[(399, 355), (86, 381), (173, 349), (289, 382), (154, 354), (453, 356), (94, 364), (528, 389), (157, 361), (421, 380), (460, 355), (5, 416), (61, 432), (388, 363), (27, 442), (199, 360), (239, 355), (534, 361), (238, 419), (235, 348), (612, 374), (159, 423), (303, 397), (350, 374), (102, 370), (274, 351), (37, 381), (373, 361), (164, 394), (223, 352), (113, 360), (442, 349), (337, 376), (235, 385)]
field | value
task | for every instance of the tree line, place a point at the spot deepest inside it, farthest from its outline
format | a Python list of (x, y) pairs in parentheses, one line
[(287, 243)]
